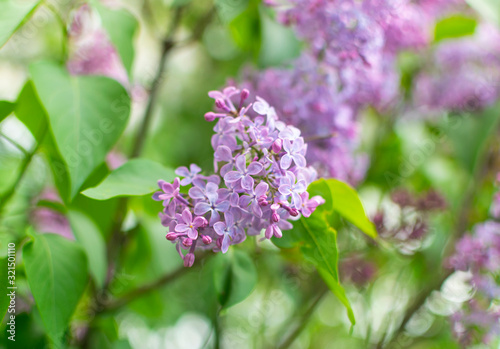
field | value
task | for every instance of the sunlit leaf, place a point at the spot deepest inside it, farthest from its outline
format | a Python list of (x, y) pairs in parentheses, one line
[(12, 15), (135, 177), (343, 199), (87, 114), (5, 109), (454, 27)]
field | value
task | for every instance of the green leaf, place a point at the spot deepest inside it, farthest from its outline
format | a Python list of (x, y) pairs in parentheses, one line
[(339, 292), (56, 269), (343, 199), (319, 242), (87, 233), (121, 27), (489, 9), (30, 112), (454, 27), (87, 114), (470, 134), (235, 277), (13, 14), (4, 301), (135, 177), (5, 109), (246, 29)]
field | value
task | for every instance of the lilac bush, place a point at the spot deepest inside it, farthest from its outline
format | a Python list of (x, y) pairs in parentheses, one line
[(261, 185)]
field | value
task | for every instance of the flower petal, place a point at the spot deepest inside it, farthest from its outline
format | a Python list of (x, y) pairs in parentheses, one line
[(232, 176), (202, 208), (286, 161), (247, 182), (254, 168)]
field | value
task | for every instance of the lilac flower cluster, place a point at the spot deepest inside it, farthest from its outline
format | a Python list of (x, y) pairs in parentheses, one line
[(260, 180), (479, 253), (461, 74), (349, 64)]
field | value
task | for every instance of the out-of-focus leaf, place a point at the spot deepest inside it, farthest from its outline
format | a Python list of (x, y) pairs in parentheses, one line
[(4, 301), (56, 269), (5, 109), (470, 134), (121, 27), (229, 9), (135, 177), (235, 277), (246, 29), (489, 9), (29, 111), (87, 233), (87, 114), (343, 199), (279, 43), (12, 15), (454, 27), (339, 292)]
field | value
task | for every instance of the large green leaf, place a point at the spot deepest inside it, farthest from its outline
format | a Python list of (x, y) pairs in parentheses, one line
[(87, 114), (121, 27), (490, 9), (235, 277), (92, 241), (135, 177), (4, 301), (6, 108), (12, 15), (56, 269), (246, 29), (470, 134), (337, 289), (454, 27), (343, 199)]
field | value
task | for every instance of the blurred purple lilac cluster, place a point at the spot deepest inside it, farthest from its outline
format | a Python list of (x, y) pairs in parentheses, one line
[(461, 74), (260, 180), (408, 224), (479, 254), (91, 50), (350, 63)]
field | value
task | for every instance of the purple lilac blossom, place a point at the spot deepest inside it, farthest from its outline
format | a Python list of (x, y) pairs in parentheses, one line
[(91, 51), (251, 192), (479, 254), (463, 74), (349, 64)]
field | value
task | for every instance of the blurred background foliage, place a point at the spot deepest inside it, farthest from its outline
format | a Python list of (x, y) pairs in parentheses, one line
[(275, 294)]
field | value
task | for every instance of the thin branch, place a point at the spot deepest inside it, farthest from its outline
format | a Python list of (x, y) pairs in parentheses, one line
[(304, 320), (167, 46), (15, 144), (154, 285)]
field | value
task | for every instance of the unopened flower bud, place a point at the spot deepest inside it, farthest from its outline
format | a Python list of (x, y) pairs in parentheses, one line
[(187, 242), (171, 236), (204, 223), (262, 200), (277, 145), (275, 217), (269, 232), (218, 242), (206, 239), (189, 260), (244, 94), (210, 116), (219, 103), (294, 212)]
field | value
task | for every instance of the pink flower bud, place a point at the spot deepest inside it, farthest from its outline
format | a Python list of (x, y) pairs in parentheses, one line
[(210, 116), (171, 236), (189, 260), (244, 94), (275, 217), (269, 232), (276, 147), (206, 239), (187, 242), (219, 103), (293, 212)]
